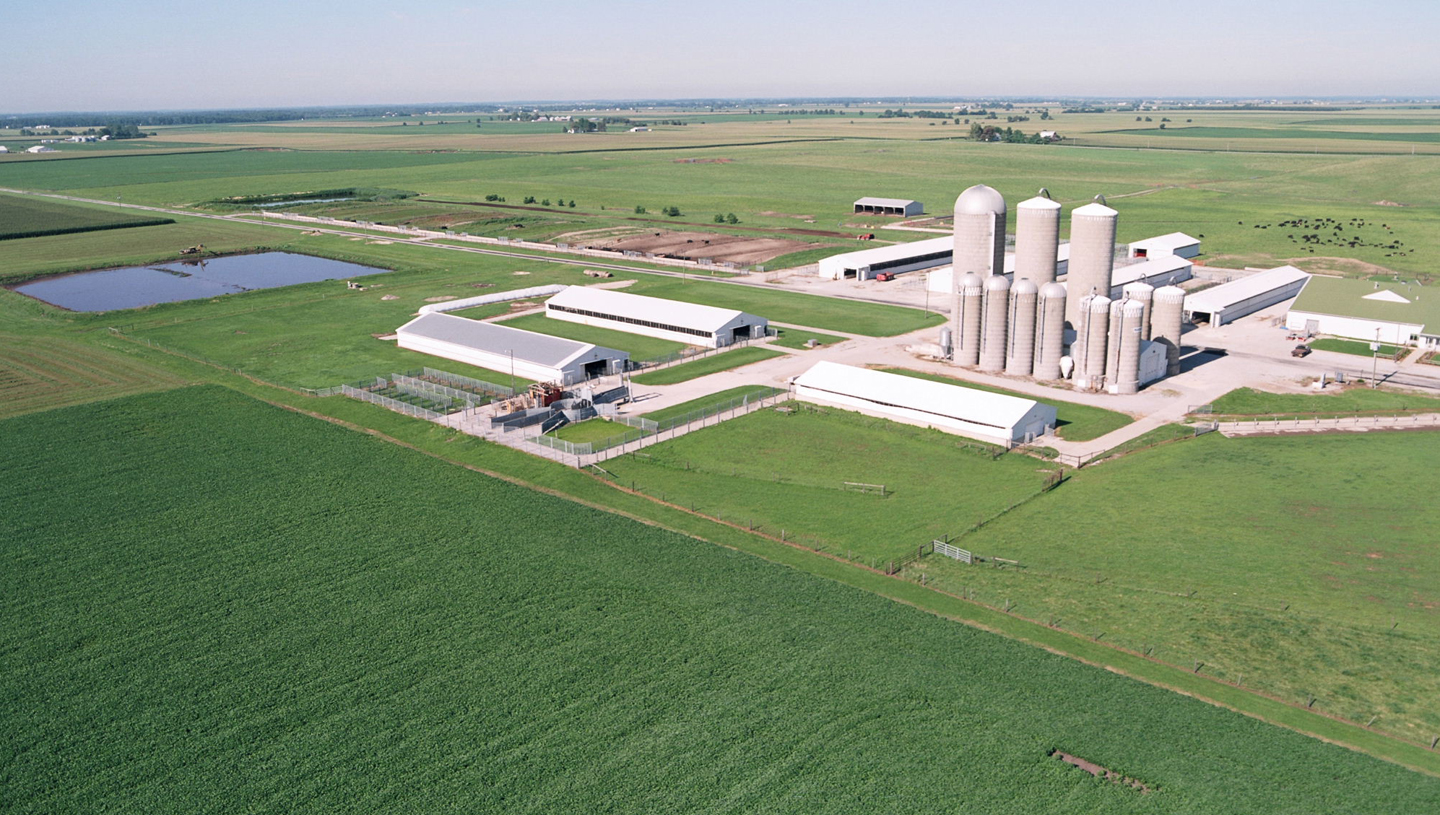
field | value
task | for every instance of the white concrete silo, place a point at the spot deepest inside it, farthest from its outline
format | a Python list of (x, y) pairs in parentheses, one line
[(997, 312), (1037, 238), (1092, 255), (1112, 345), (1145, 293), (1050, 331), (1166, 323), (1125, 344), (1020, 346), (1089, 349), (979, 232), (967, 312)]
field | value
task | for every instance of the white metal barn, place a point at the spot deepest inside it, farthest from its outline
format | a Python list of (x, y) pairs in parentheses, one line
[(897, 258), (526, 354), (1391, 313), (990, 417), (1176, 243), (943, 280), (888, 206), (1229, 302), (1165, 270), (690, 323)]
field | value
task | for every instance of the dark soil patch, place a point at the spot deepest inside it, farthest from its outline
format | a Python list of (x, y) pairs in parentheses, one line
[(1101, 772)]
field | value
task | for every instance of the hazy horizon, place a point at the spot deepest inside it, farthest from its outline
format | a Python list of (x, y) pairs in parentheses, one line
[(163, 55)]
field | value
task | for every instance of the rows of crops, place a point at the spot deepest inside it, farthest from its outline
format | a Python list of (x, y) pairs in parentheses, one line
[(216, 605), (36, 217), (39, 373)]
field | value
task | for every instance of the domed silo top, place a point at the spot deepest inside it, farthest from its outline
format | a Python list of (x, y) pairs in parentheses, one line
[(1038, 202), (1024, 286), (971, 281), (1092, 211), (997, 282), (1052, 291), (980, 200)]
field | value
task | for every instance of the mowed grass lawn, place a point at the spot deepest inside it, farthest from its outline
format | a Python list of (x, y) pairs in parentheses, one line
[(1076, 422), (278, 633), (709, 365), (787, 472), (814, 311), (639, 346), (1349, 401), (1301, 552), (1353, 347)]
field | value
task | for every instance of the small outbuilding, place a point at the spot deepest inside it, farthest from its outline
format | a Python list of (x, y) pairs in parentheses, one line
[(1229, 302), (990, 417), (690, 323), (1175, 243), (526, 354), (888, 206)]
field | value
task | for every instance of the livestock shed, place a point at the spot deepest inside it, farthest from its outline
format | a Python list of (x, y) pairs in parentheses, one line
[(525, 354), (1391, 313), (1229, 302), (1164, 270), (895, 259), (1175, 243), (991, 417), (690, 323), (888, 206)]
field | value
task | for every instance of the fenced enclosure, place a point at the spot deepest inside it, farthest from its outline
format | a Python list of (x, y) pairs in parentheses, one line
[(640, 428), (426, 393)]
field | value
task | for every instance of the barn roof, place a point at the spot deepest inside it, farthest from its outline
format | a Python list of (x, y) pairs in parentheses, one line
[(950, 401), (528, 346), (650, 309)]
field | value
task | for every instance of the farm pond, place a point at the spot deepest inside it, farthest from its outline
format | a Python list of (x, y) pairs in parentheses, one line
[(174, 281)]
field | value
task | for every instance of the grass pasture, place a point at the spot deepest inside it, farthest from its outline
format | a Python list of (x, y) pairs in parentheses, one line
[(825, 313), (29, 217), (639, 346), (299, 642), (1350, 401), (1352, 347), (715, 363)]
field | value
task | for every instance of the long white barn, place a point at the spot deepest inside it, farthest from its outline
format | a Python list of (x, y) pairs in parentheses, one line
[(690, 323), (990, 417), (526, 354)]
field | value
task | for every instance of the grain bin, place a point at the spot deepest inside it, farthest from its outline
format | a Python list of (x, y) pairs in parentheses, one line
[(967, 310), (1050, 331), (1112, 346), (1037, 238), (997, 311), (1125, 345), (1020, 345), (1166, 322), (1145, 294), (980, 232), (1092, 255)]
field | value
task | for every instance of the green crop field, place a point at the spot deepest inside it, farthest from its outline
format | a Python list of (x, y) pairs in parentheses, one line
[(787, 472), (27, 217), (39, 373), (299, 642), (1278, 564), (704, 367), (1076, 422)]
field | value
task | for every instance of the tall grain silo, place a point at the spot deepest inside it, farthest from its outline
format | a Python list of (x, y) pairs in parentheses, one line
[(979, 232), (967, 311), (1089, 350), (1125, 345), (1112, 341), (1037, 238), (1166, 323), (997, 311), (1092, 255), (1050, 331), (1020, 346), (1145, 293)]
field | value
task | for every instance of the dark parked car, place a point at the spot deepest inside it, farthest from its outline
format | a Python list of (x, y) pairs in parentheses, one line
[(1300, 351)]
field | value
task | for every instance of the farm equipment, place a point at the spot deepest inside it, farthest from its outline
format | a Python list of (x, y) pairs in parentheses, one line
[(885, 277)]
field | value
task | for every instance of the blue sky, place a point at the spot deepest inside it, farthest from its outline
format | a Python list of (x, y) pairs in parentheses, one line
[(90, 55)]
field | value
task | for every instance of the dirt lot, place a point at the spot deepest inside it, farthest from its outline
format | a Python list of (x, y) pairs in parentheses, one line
[(693, 245)]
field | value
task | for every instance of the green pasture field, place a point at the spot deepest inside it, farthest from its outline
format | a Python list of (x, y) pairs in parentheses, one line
[(708, 401), (1076, 422), (785, 471), (590, 430), (298, 623), (854, 316), (1355, 347), (796, 337), (28, 217), (1306, 565), (1279, 133), (704, 367), (1349, 401), (639, 346)]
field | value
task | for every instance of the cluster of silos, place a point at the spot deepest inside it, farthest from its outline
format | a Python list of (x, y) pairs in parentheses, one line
[(1021, 329)]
